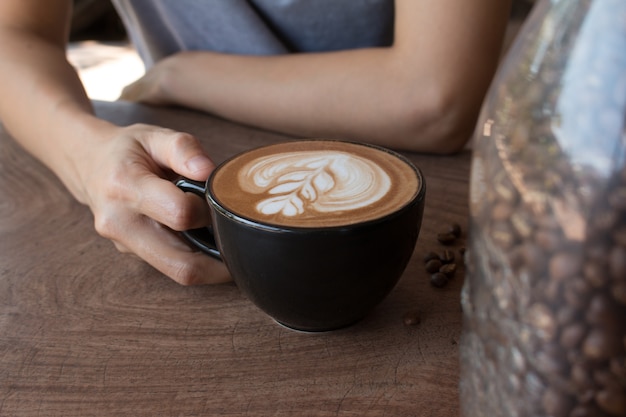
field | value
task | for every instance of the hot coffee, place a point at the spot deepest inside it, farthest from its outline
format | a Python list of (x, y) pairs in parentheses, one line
[(318, 183), (315, 233)]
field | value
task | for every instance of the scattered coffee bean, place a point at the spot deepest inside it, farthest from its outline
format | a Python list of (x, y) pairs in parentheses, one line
[(447, 257), (412, 318), (433, 265), (455, 230), (430, 256), (448, 270), (439, 280), (446, 238), (441, 266)]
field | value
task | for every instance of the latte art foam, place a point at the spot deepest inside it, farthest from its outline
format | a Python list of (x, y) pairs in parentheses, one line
[(299, 183), (314, 183)]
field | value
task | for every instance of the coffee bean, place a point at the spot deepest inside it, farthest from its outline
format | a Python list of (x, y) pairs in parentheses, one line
[(619, 236), (448, 270), (502, 211), (518, 361), (504, 189), (455, 230), (430, 256), (412, 318), (556, 403), (541, 317), (438, 280), (581, 377), (601, 344), (446, 238), (617, 263), (606, 379), (566, 315), (598, 252), (618, 368), (433, 265), (502, 234), (617, 198), (548, 240), (600, 311), (572, 335), (612, 401), (605, 221), (551, 290), (595, 274), (586, 410), (546, 313), (534, 385), (447, 257), (522, 224), (618, 291), (550, 359), (576, 292), (564, 265)]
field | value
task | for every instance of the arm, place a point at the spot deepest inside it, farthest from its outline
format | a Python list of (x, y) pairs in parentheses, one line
[(423, 93), (120, 173)]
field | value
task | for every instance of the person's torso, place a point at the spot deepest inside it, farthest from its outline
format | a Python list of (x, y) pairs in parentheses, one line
[(258, 27)]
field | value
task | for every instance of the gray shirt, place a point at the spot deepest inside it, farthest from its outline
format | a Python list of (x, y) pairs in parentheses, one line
[(159, 28)]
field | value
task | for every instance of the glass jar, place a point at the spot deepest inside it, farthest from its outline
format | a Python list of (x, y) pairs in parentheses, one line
[(544, 300)]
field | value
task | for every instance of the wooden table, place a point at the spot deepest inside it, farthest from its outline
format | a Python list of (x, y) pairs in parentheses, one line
[(88, 331)]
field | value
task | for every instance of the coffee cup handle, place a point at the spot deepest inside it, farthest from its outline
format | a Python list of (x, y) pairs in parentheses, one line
[(202, 238)]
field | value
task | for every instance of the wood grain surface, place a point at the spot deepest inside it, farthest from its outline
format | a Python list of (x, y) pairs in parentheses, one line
[(88, 331)]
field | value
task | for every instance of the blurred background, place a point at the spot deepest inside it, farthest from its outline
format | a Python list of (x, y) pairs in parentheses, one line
[(100, 51)]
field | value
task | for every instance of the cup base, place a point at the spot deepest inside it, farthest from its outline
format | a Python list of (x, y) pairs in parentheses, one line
[(314, 331)]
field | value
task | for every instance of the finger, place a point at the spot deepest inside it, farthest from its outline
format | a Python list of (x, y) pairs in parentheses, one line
[(127, 94), (180, 152), (164, 202), (166, 252), (132, 92)]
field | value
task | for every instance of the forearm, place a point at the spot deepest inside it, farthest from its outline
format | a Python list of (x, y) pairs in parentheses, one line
[(423, 93), (44, 105), (121, 173), (361, 94)]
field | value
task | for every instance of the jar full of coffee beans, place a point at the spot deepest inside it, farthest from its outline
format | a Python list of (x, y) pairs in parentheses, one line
[(544, 300)]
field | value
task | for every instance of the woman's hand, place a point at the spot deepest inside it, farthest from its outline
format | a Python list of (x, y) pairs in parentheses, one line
[(126, 180), (122, 173), (150, 88)]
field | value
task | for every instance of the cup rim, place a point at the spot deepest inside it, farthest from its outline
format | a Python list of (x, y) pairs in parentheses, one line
[(260, 224)]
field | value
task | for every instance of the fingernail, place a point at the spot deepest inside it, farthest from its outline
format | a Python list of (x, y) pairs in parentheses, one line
[(198, 163)]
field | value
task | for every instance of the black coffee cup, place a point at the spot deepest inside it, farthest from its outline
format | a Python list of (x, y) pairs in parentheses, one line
[(313, 276)]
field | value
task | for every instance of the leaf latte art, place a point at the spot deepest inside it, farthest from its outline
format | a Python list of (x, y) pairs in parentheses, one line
[(314, 183), (324, 181)]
